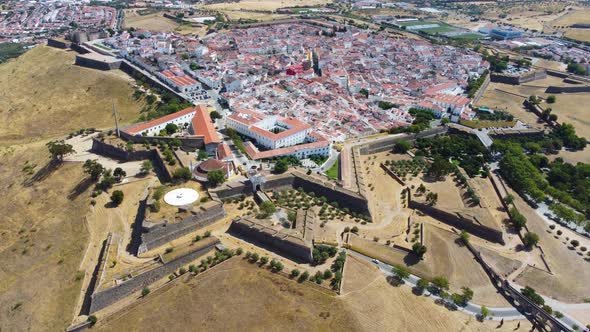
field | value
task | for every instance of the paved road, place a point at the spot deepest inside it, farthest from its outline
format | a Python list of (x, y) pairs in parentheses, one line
[(508, 313)]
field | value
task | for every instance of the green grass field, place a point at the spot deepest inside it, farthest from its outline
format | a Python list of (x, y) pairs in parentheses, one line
[(332, 172)]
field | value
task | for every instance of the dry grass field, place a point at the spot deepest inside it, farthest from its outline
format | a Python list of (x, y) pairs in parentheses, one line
[(569, 106), (42, 236), (157, 22), (532, 15), (236, 296), (235, 15), (43, 95), (577, 15), (153, 22), (571, 277), (379, 306), (265, 4)]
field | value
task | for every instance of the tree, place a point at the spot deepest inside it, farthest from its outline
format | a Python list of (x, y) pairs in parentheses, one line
[(445, 121), (401, 272), (551, 99), (93, 168), (183, 174), (145, 291), (530, 239), (440, 282), (464, 237), (422, 284), (92, 319), (419, 249), (215, 115), (59, 149), (267, 208), (518, 220), (281, 166), (119, 174), (421, 188), (431, 198), (304, 276), (295, 273), (509, 199), (402, 146), (117, 197), (254, 257), (215, 177), (146, 166), (532, 295), (484, 312), (202, 155), (291, 216), (439, 168), (467, 294), (263, 260), (171, 128)]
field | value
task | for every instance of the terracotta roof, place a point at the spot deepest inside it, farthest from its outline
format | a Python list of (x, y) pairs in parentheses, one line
[(211, 165), (223, 151), (203, 126), (143, 126), (254, 153)]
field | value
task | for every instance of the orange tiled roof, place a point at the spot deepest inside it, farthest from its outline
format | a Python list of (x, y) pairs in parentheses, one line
[(203, 126), (143, 126)]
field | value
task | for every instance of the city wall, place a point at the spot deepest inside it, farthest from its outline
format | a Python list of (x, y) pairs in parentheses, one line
[(158, 234), (282, 243), (105, 298), (89, 62), (567, 89), (294, 180), (518, 79), (115, 152), (481, 90), (516, 298), (191, 143)]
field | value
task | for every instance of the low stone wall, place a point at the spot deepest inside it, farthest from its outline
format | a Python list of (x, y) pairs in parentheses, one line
[(282, 243), (392, 174), (159, 234), (460, 222), (105, 298)]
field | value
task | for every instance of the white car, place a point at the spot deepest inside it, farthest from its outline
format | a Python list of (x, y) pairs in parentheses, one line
[(376, 261)]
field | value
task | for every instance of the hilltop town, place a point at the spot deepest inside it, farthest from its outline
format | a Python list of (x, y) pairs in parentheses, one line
[(363, 165)]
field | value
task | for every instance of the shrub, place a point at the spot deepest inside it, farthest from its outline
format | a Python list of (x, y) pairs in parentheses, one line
[(92, 319), (295, 273), (239, 251), (574, 243), (145, 291), (304, 276)]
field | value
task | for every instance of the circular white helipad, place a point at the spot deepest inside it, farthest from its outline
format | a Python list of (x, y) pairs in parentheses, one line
[(181, 197)]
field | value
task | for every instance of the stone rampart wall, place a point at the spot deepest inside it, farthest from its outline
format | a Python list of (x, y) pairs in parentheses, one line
[(105, 298), (162, 233), (276, 242), (115, 152), (453, 219), (518, 79), (567, 89)]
